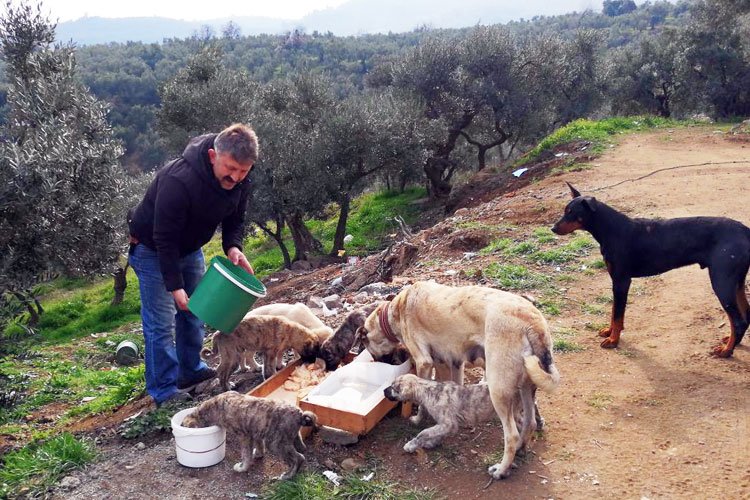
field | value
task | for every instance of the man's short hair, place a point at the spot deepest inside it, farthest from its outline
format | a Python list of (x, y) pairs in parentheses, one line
[(239, 141)]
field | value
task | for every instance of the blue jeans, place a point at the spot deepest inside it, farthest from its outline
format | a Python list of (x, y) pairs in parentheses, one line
[(173, 338)]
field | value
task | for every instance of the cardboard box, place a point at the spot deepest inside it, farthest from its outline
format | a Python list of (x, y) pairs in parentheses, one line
[(350, 398)]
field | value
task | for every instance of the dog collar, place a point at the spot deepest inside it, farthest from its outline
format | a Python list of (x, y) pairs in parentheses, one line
[(383, 320)]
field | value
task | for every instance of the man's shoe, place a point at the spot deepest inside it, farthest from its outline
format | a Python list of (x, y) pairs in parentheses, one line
[(203, 375), (174, 399)]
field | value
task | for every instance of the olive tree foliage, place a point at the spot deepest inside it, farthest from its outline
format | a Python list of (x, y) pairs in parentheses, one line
[(62, 191), (646, 78), (203, 97), (287, 114), (491, 86), (322, 146), (717, 57), (360, 136)]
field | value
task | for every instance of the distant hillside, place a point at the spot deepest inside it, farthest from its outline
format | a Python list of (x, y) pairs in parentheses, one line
[(95, 30), (352, 18)]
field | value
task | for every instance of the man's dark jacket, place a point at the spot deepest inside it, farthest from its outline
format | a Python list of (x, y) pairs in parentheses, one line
[(184, 205)]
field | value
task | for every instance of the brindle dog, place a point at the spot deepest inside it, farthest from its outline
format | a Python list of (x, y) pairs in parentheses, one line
[(334, 348), (451, 406), (260, 424), (272, 335)]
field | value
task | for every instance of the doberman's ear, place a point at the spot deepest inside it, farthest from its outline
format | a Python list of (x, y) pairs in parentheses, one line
[(573, 191), (590, 203)]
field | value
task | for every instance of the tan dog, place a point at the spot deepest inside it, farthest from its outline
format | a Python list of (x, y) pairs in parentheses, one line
[(298, 312), (260, 424), (454, 325), (271, 335)]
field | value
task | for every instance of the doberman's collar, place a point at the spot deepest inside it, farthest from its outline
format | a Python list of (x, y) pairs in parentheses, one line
[(385, 326)]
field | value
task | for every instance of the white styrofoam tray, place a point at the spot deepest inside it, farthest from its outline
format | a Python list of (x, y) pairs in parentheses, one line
[(356, 387)]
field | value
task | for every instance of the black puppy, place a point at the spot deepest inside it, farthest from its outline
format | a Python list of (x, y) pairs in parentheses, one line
[(634, 248)]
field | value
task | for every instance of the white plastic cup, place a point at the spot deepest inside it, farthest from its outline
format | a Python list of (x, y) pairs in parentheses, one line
[(198, 447)]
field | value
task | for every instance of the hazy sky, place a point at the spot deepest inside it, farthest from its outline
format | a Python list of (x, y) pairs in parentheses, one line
[(190, 10)]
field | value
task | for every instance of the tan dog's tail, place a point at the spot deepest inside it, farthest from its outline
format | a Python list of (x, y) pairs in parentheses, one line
[(322, 332), (543, 379), (309, 419), (215, 342)]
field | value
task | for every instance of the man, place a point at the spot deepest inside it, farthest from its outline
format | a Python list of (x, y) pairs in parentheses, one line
[(183, 206)]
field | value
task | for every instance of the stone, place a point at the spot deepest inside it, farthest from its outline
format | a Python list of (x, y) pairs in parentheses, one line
[(337, 436)]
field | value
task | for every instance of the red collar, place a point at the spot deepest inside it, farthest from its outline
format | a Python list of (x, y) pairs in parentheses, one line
[(383, 320)]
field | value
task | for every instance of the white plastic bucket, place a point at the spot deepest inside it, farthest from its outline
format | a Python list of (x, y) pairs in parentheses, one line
[(198, 447)]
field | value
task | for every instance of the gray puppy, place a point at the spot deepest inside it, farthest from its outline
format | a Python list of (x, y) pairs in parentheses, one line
[(260, 424), (451, 406)]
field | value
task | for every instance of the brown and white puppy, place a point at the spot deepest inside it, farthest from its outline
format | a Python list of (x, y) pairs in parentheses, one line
[(451, 406), (271, 335), (447, 325), (298, 312), (259, 424), (334, 348)]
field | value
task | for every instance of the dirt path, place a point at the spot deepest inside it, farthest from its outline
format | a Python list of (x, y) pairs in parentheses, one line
[(656, 418)]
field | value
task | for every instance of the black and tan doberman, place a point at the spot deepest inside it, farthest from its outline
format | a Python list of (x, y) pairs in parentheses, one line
[(634, 248)]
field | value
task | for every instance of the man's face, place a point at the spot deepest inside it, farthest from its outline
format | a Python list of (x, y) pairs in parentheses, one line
[(228, 171)]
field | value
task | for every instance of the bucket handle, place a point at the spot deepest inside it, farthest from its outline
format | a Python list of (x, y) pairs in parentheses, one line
[(200, 452), (233, 280)]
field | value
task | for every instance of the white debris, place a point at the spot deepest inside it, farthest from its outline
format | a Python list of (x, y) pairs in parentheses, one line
[(332, 477)]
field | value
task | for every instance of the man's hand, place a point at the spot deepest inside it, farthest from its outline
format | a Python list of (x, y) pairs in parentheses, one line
[(238, 259), (181, 299)]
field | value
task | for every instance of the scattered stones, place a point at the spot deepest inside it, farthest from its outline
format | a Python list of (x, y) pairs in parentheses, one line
[(69, 483)]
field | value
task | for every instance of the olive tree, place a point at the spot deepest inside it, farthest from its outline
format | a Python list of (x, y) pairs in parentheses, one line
[(361, 136), (62, 191), (717, 55)]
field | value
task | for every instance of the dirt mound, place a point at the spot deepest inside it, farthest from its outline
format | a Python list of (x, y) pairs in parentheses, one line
[(488, 184)]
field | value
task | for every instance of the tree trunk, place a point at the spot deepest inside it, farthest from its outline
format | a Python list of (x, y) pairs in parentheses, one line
[(338, 238), (278, 239), (433, 169), (436, 166), (120, 284), (26, 300), (304, 242)]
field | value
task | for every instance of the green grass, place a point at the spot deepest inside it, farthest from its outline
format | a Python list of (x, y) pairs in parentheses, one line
[(498, 245), (563, 345), (313, 486), (88, 310), (600, 133), (111, 389), (514, 277), (600, 400), (150, 422), (37, 466)]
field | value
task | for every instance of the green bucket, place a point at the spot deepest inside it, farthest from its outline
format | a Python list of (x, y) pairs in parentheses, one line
[(225, 294)]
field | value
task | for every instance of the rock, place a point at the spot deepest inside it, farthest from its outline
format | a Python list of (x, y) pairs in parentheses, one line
[(69, 483), (140, 446), (301, 265), (351, 464), (361, 297), (337, 436), (333, 301), (315, 302)]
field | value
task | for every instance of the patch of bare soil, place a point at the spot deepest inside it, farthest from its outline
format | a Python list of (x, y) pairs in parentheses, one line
[(656, 418)]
